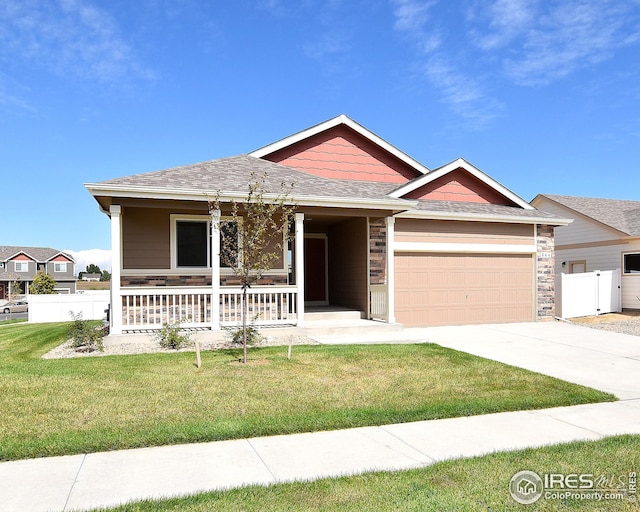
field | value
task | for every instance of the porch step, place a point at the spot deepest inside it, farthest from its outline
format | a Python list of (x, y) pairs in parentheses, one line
[(353, 328), (331, 314), (331, 321)]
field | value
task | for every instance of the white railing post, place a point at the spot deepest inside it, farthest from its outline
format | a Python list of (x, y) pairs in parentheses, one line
[(391, 303), (215, 270), (299, 241), (115, 212)]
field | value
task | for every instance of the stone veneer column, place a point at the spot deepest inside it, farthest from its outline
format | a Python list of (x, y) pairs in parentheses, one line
[(377, 251), (545, 273)]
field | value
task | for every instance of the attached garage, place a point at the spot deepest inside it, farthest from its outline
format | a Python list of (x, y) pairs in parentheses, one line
[(463, 288)]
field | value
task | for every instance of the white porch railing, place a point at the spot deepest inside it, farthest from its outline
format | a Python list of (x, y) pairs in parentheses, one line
[(379, 307), (266, 305), (151, 307)]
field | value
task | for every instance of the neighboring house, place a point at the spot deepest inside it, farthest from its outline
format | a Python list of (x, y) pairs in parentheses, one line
[(605, 235), (375, 231), (21, 264), (91, 277)]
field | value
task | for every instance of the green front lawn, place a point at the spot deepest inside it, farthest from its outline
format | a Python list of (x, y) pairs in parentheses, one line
[(55, 407), (469, 485)]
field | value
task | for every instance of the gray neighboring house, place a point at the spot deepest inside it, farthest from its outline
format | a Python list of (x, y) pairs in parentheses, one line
[(21, 264), (605, 235)]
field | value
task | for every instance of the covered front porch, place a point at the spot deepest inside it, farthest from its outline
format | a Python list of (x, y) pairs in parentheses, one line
[(339, 260)]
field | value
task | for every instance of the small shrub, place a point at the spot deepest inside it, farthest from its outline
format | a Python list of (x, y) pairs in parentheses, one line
[(86, 335), (170, 336), (236, 337)]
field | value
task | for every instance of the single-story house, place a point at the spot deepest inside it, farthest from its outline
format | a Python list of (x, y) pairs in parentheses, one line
[(20, 265), (605, 235), (374, 230), (91, 277)]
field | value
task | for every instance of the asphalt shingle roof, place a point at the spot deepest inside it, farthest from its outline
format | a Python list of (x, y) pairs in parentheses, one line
[(229, 175), (40, 254), (621, 214)]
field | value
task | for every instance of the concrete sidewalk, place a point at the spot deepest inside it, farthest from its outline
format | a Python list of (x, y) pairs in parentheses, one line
[(604, 360), (81, 482)]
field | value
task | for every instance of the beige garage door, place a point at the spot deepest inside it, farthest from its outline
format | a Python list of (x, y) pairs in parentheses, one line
[(454, 289)]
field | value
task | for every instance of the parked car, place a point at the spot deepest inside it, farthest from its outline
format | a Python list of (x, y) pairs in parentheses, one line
[(19, 306)]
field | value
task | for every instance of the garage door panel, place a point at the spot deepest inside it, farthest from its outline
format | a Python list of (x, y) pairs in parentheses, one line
[(453, 289)]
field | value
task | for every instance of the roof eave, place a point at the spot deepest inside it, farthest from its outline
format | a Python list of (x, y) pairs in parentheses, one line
[(483, 217), (140, 192)]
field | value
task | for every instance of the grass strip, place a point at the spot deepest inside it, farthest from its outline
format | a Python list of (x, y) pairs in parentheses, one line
[(80, 405)]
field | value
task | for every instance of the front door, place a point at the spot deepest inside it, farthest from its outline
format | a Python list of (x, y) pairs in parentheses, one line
[(315, 271)]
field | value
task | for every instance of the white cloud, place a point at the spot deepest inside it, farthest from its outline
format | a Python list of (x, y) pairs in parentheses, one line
[(411, 15), (507, 20), (462, 91), (546, 41), (68, 37), (100, 257)]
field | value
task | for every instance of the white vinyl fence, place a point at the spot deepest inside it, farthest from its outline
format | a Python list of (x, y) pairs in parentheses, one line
[(589, 293), (57, 308)]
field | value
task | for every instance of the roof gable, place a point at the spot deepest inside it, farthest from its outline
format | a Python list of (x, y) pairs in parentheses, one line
[(459, 181), (343, 149), (619, 214), (39, 254)]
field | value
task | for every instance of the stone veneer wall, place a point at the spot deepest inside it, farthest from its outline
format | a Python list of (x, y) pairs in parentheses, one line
[(377, 251), (545, 273), (195, 281)]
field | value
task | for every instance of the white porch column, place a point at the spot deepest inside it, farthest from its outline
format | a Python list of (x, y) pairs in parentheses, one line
[(215, 270), (299, 241), (115, 212), (391, 286)]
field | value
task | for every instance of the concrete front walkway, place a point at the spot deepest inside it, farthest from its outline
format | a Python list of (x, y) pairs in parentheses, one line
[(578, 354)]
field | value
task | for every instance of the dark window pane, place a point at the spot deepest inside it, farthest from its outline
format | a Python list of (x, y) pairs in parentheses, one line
[(632, 263), (228, 244), (192, 240)]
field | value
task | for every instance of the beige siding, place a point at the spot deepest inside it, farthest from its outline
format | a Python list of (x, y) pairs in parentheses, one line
[(447, 231), (580, 230), (454, 289), (146, 238), (348, 244)]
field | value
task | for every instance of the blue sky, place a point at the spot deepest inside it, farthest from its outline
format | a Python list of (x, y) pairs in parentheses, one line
[(542, 95)]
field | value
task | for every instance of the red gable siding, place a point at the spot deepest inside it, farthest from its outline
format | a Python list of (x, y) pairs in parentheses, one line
[(22, 257), (60, 257), (341, 153), (459, 186)]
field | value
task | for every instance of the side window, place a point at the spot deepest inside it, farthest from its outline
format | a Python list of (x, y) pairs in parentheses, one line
[(631, 262)]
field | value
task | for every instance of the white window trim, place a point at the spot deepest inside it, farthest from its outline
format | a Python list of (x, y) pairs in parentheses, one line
[(62, 264), (177, 217), (623, 266), (18, 266)]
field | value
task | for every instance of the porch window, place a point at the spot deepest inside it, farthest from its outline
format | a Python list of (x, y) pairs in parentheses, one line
[(631, 263), (191, 240)]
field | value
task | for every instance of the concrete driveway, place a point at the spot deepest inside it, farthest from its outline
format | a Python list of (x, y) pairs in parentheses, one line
[(603, 360)]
